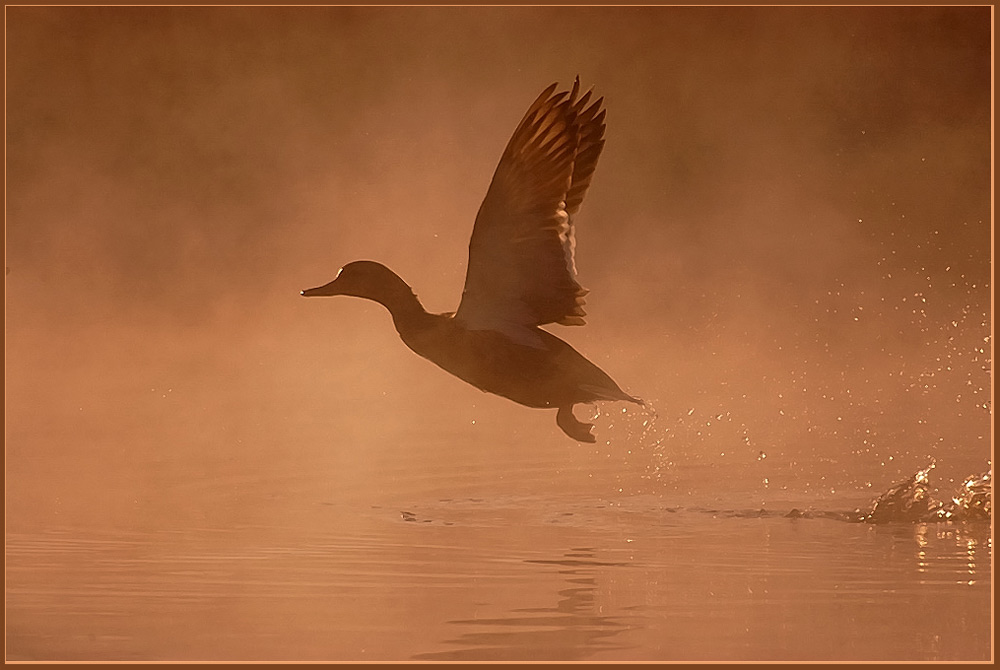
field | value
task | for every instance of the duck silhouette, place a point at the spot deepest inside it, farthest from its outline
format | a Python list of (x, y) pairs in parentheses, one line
[(521, 272)]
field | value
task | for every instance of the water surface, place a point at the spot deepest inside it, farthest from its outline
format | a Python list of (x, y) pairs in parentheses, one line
[(476, 559), (794, 270)]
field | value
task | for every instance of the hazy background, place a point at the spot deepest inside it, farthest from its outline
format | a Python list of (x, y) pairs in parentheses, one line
[(787, 242)]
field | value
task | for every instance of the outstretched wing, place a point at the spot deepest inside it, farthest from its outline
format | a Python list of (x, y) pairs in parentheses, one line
[(521, 268)]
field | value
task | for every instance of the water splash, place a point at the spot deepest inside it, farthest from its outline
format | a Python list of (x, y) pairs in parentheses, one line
[(974, 499), (910, 501), (907, 501)]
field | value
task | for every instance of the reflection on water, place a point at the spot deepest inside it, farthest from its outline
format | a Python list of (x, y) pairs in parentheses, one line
[(573, 629), (156, 542), (508, 578), (354, 548)]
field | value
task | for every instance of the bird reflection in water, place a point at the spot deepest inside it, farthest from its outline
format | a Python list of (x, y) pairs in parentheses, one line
[(572, 629)]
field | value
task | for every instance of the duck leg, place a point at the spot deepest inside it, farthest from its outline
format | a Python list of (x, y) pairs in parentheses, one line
[(570, 425)]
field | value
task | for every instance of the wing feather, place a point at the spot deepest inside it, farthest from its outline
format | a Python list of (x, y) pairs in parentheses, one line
[(522, 270)]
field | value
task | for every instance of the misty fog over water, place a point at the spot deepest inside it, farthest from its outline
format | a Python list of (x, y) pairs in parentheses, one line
[(787, 242)]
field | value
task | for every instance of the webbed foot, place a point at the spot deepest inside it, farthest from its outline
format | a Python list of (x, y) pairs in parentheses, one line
[(573, 427)]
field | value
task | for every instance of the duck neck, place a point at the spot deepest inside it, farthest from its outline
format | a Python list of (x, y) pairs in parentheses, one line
[(402, 304)]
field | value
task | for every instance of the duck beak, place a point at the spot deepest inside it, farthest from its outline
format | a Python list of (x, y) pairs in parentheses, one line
[(325, 289)]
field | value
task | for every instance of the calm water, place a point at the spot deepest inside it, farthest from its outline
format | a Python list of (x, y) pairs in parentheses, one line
[(795, 270), (429, 551)]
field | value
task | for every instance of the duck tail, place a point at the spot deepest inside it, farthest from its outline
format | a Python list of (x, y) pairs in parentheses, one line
[(603, 393)]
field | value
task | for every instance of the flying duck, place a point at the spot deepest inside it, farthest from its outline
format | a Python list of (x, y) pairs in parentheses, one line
[(521, 272)]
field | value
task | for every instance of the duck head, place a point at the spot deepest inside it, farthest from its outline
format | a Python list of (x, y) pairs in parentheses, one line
[(362, 279)]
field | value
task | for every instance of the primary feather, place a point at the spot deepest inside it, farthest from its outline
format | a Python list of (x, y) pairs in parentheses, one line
[(522, 270)]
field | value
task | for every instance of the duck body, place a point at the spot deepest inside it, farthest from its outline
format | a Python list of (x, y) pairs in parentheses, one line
[(533, 368), (552, 375), (521, 272)]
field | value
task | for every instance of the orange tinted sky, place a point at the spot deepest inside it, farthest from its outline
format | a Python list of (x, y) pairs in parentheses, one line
[(792, 212)]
